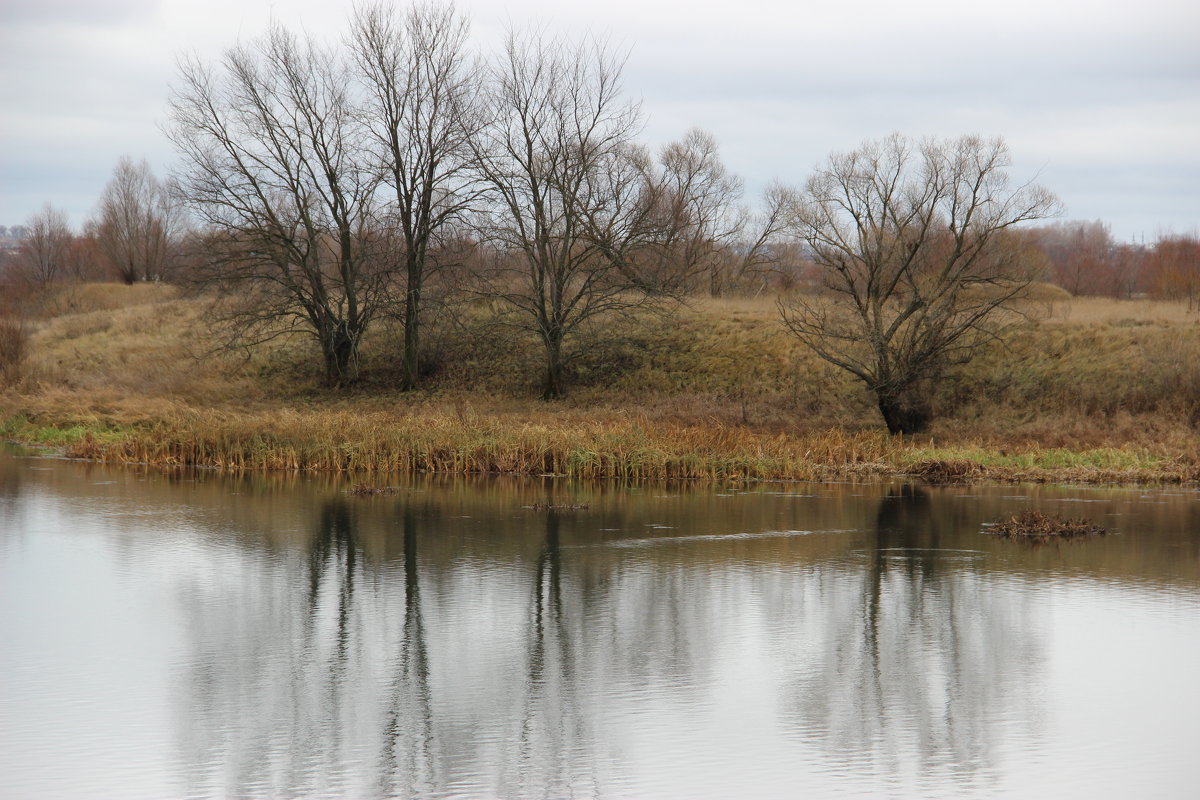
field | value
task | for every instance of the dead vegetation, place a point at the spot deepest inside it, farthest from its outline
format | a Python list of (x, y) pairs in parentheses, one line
[(14, 346), (1036, 527), (945, 471)]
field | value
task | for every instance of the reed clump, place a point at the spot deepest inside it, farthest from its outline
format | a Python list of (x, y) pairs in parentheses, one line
[(382, 442), (1034, 526), (441, 442)]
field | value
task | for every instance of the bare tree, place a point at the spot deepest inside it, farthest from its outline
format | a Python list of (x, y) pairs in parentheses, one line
[(1174, 267), (706, 234), (421, 110), (136, 222), (276, 163), (702, 199), (1081, 256), (568, 194), (45, 251), (916, 264)]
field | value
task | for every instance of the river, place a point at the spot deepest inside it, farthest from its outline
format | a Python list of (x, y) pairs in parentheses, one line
[(170, 633)]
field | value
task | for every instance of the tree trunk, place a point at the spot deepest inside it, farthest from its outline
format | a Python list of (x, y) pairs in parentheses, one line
[(552, 388), (410, 369), (905, 411), (341, 356)]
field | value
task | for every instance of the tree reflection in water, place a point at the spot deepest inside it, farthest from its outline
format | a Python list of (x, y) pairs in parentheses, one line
[(919, 654), (550, 738), (413, 657), (408, 765)]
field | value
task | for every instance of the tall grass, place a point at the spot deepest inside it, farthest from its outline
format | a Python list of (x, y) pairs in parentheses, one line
[(341, 441), (14, 346), (381, 442)]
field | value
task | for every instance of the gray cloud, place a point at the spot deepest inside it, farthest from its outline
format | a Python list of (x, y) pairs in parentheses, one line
[(1099, 99), (78, 12)]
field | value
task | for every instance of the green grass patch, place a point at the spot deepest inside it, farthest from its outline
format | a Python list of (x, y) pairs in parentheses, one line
[(20, 428), (1056, 458)]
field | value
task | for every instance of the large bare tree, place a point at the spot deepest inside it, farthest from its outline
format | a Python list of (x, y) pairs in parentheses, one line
[(916, 261), (136, 222), (568, 194), (277, 163), (422, 109)]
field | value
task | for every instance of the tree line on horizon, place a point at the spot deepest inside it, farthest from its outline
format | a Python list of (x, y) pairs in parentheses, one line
[(323, 187)]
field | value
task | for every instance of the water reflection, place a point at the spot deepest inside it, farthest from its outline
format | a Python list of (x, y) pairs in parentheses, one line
[(551, 721), (408, 765), (452, 640), (915, 657), (922, 662)]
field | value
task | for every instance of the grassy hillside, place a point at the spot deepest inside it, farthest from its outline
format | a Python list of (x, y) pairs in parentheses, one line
[(1084, 390)]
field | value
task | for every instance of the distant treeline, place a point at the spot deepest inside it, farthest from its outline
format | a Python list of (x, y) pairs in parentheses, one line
[(1080, 257)]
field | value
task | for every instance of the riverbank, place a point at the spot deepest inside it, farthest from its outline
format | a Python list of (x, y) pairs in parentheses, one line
[(425, 440), (1085, 392)]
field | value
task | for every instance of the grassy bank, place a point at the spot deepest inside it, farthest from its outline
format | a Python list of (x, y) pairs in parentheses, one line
[(1087, 391)]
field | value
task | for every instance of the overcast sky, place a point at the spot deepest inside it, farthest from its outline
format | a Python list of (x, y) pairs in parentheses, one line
[(1099, 99)]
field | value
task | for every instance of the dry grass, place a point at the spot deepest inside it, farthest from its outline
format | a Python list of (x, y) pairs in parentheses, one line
[(565, 443), (14, 346), (1069, 311), (387, 442), (1089, 391)]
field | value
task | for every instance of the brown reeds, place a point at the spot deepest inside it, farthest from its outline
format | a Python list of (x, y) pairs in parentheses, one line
[(14, 347), (1036, 527), (381, 442), (564, 445)]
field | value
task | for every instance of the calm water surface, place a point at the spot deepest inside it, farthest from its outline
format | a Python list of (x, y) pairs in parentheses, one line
[(170, 634)]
